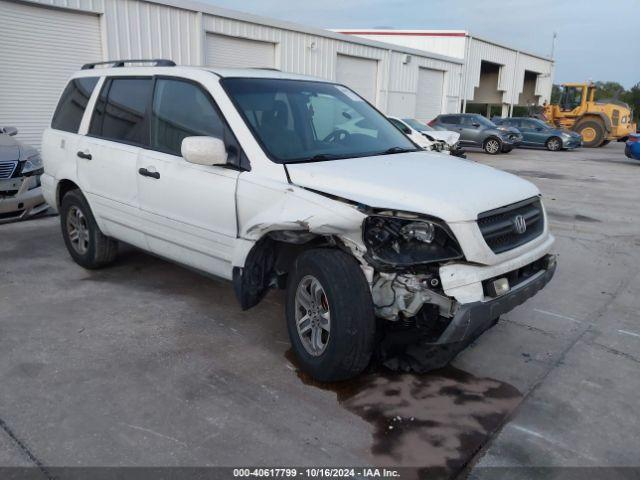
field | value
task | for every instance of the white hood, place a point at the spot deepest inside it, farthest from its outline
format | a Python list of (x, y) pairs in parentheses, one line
[(430, 183), (445, 135)]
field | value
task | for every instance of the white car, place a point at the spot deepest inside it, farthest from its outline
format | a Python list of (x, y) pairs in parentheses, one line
[(446, 137), (245, 175)]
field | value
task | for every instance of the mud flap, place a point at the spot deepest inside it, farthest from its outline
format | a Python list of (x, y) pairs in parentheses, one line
[(252, 282)]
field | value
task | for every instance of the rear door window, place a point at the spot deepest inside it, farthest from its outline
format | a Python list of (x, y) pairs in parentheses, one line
[(120, 112), (73, 103), (450, 119)]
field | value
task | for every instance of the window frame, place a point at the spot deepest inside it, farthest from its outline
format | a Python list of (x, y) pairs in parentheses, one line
[(59, 105), (106, 86), (243, 162)]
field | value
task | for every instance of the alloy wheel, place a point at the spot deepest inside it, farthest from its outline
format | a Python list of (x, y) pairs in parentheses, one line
[(493, 146), (78, 230), (554, 144), (312, 314)]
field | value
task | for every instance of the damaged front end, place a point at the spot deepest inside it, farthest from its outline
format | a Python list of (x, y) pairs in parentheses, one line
[(424, 327), (411, 263)]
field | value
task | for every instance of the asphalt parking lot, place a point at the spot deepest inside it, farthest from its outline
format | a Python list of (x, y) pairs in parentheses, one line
[(149, 364)]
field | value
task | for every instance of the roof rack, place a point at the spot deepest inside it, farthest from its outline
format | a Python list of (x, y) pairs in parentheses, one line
[(157, 62)]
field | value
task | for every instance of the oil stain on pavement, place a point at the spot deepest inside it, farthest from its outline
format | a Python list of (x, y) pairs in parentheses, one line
[(434, 423)]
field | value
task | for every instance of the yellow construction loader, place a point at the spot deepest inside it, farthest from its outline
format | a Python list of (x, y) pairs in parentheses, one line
[(598, 122)]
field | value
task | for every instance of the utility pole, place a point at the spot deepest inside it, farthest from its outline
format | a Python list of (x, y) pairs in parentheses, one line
[(553, 44)]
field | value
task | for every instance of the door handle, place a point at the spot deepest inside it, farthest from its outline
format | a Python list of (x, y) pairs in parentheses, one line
[(86, 155), (146, 173)]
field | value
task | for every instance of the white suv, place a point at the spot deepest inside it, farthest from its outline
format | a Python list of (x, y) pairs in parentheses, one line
[(270, 180)]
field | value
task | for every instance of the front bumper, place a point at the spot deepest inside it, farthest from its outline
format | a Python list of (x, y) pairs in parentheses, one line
[(27, 201), (468, 323), (571, 143), (472, 319), (512, 140), (631, 151)]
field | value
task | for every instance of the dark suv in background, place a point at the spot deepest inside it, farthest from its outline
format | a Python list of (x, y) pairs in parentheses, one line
[(478, 131), (536, 133)]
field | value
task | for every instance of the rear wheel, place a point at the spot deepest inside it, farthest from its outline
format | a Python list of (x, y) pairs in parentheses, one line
[(86, 244), (492, 146), (554, 144), (592, 133), (330, 316)]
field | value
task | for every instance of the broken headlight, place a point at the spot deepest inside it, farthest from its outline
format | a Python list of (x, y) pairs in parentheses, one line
[(32, 166), (403, 242)]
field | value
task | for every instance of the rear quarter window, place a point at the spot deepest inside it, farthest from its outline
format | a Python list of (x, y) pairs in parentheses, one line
[(73, 103)]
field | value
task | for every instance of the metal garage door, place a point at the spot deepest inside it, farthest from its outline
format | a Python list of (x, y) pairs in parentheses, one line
[(429, 95), (359, 74), (233, 52), (39, 50)]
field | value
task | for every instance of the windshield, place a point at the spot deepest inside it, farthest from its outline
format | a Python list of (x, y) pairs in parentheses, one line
[(417, 125), (539, 123), (301, 121)]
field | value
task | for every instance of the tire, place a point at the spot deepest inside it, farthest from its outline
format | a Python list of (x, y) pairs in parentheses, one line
[(89, 247), (554, 144), (344, 296), (594, 132), (492, 146), (506, 149)]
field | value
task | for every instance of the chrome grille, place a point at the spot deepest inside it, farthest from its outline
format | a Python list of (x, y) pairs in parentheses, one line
[(511, 226), (7, 169)]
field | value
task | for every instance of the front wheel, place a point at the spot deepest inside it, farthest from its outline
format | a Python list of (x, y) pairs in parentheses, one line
[(592, 133), (554, 144), (330, 316), (492, 146)]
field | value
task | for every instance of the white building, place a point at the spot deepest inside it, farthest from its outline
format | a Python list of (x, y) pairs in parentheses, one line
[(42, 42), (494, 75)]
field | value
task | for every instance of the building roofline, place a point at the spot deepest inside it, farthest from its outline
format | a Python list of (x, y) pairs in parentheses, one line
[(435, 33), (196, 6)]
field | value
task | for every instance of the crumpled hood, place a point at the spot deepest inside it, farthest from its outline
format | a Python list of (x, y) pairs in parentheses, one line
[(430, 183), (9, 148), (446, 136)]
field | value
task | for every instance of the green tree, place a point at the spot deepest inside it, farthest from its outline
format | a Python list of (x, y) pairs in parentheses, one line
[(609, 90), (632, 97)]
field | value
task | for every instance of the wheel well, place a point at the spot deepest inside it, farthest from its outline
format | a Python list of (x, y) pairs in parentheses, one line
[(271, 259), (64, 187), (600, 118)]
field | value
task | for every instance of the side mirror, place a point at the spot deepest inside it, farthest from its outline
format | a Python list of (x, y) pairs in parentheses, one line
[(475, 124), (204, 151), (11, 131)]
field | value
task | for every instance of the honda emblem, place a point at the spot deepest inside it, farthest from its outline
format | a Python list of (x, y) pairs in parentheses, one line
[(519, 224)]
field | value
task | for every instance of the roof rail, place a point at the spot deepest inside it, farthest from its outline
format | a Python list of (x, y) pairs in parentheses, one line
[(157, 62)]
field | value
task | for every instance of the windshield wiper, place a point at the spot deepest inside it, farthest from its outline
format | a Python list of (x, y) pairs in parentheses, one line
[(392, 150), (321, 157)]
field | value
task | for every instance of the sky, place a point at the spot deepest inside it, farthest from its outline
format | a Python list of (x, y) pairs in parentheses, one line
[(596, 39)]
